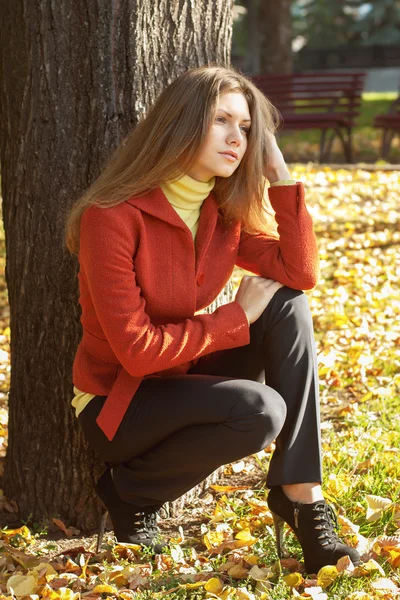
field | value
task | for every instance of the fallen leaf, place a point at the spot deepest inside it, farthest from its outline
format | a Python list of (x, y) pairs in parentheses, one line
[(293, 580), (371, 566), (316, 593), (344, 565), (260, 574), (214, 585), (238, 572), (376, 506), (62, 526), (385, 584), (21, 585), (327, 575), (228, 489)]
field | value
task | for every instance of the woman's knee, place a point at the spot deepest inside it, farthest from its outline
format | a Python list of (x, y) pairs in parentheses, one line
[(289, 306), (266, 408), (288, 298), (274, 412)]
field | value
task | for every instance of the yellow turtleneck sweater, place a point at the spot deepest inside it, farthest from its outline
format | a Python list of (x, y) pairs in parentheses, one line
[(186, 196)]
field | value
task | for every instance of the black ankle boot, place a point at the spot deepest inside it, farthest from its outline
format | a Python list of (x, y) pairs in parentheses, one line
[(132, 524), (313, 525)]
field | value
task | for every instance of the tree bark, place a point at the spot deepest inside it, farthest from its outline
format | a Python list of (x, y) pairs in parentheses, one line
[(275, 36), (75, 78)]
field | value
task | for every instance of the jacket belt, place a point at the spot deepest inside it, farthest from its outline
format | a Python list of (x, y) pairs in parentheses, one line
[(123, 388)]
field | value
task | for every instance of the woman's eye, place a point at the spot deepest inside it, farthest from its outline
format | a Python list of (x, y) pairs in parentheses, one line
[(220, 119), (245, 129)]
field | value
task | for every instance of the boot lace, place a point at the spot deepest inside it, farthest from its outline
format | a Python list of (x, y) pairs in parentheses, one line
[(145, 522), (327, 523)]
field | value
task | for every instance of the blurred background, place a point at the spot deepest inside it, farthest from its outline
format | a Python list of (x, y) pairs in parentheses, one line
[(299, 36)]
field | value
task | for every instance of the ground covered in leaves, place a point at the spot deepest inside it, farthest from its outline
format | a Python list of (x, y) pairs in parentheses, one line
[(228, 550)]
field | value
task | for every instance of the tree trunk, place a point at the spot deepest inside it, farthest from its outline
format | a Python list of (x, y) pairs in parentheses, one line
[(275, 35), (74, 80)]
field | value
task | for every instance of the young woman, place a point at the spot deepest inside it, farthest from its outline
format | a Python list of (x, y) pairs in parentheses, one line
[(164, 394)]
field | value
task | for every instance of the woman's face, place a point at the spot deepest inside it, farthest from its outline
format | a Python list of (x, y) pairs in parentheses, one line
[(226, 142)]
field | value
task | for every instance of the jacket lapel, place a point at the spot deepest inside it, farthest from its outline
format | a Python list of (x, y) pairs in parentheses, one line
[(156, 204)]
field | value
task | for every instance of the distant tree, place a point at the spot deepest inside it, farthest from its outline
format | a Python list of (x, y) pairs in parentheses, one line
[(263, 32), (378, 21), (323, 23), (331, 23), (275, 35)]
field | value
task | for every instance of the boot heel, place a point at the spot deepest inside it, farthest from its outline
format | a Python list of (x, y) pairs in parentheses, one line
[(101, 529), (278, 525)]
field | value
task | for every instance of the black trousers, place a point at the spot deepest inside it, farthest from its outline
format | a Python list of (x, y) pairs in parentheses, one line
[(178, 430)]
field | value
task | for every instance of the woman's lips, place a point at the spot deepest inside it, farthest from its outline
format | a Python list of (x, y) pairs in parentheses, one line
[(228, 156)]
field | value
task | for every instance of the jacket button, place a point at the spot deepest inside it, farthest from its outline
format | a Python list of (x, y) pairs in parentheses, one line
[(200, 278)]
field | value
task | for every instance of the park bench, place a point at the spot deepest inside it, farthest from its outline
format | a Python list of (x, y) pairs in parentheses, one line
[(390, 123), (329, 101)]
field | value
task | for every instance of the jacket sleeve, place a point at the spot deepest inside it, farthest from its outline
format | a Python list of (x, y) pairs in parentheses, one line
[(288, 253), (107, 247)]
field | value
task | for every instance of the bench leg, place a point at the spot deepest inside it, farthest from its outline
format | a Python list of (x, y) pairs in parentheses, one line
[(322, 143), (330, 144), (387, 139), (349, 146), (346, 139)]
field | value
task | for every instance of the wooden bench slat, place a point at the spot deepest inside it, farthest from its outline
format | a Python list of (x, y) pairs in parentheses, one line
[(315, 100), (320, 87)]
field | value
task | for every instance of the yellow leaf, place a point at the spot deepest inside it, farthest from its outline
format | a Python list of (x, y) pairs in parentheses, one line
[(48, 593), (229, 593), (347, 527), (214, 585), (13, 536), (228, 489), (21, 585), (245, 536), (213, 538), (127, 595), (367, 568), (192, 586), (376, 506), (68, 594), (44, 572), (251, 559), (394, 556), (117, 576), (327, 575), (293, 580), (244, 594), (104, 588)]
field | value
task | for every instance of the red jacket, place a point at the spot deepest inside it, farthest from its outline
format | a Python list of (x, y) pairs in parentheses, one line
[(142, 277)]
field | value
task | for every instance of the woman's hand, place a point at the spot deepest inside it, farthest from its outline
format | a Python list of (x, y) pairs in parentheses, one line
[(276, 167), (254, 294)]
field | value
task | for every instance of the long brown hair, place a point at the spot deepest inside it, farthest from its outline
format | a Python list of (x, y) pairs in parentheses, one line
[(166, 142)]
